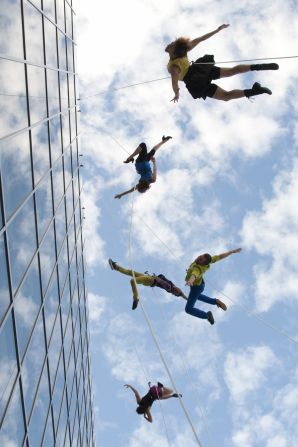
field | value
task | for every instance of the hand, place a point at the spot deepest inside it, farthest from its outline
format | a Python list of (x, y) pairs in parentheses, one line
[(190, 282), (118, 196), (127, 386), (237, 250), (176, 98), (222, 27)]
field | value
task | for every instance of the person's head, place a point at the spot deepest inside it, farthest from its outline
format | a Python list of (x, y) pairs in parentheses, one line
[(204, 259), (140, 409), (143, 186), (178, 48)]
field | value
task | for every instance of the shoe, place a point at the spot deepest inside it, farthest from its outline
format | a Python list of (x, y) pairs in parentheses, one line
[(135, 303), (129, 160), (112, 264), (221, 304), (176, 395), (210, 317), (258, 67), (164, 138), (256, 89)]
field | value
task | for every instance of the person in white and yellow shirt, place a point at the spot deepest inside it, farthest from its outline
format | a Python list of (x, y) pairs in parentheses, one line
[(194, 279)]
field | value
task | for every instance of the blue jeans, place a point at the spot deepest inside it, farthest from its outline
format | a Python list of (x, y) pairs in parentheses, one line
[(194, 295)]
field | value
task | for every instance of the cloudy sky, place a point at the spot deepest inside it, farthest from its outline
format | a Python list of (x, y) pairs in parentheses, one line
[(228, 178)]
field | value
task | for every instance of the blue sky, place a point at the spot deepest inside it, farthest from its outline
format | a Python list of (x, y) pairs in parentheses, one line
[(228, 178)]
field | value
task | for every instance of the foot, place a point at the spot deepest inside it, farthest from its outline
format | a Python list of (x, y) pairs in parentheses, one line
[(176, 395), (135, 303), (221, 304), (129, 159), (257, 89), (210, 317), (164, 138), (112, 264)]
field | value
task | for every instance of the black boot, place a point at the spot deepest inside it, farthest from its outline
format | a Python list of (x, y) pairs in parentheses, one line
[(256, 89), (210, 317), (258, 67)]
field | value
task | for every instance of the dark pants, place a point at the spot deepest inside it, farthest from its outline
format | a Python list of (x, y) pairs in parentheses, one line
[(143, 155), (194, 295)]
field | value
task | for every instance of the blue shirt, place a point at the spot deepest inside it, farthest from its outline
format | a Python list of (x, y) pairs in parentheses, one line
[(144, 169)]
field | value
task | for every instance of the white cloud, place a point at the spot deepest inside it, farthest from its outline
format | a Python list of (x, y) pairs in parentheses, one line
[(97, 306)]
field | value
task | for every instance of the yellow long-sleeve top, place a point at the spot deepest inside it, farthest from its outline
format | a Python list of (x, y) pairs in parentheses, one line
[(198, 271), (181, 62)]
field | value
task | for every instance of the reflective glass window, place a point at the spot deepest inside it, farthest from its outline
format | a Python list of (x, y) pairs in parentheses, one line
[(65, 303), (15, 171), (69, 204), (1, 219), (63, 91), (51, 46), (58, 392), (68, 13), (47, 257), (8, 363), (33, 363), (22, 241), (67, 439), (62, 50), (58, 183), (72, 96), (40, 151), (70, 375), (33, 34), (60, 225), (73, 277), (73, 124), (73, 406), (48, 440), (55, 349), (71, 238), (11, 36), (77, 216), (27, 304), (75, 435), (68, 340), (55, 133), (65, 131), (37, 93), (69, 45), (63, 264), (44, 205), (60, 14), (62, 423), (53, 103), (4, 291), (67, 166), (51, 303), (40, 411), (13, 429), (49, 8)]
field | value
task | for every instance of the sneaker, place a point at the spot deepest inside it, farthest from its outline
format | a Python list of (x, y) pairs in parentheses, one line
[(210, 317), (135, 303), (221, 304), (257, 89), (164, 138), (112, 264)]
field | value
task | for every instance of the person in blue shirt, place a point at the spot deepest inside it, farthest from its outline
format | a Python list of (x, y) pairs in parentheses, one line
[(143, 167)]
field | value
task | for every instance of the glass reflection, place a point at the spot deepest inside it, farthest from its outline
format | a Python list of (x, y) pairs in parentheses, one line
[(49, 8), (32, 364), (62, 422), (33, 33), (65, 303), (27, 305), (69, 204), (1, 219), (55, 135), (57, 394), (63, 91), (58, 184), (11, 36), (44, 206), (68, 13), (60, 14), (68, 340), (51, 303), (13, 429), (40, 151), (15, 170), (48, 440), (53, 102), (63, 264), (21, 241), (72, 96), (60, 225), (40, 411), (51, 48), (47, 257), (4, 291), (62, 50), (65, 131), (69, 45), (37, 93), (55, 349), (8, 363)]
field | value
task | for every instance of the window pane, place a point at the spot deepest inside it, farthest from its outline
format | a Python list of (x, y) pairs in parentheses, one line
[(58, 184), (32, 365), (4, 291), (11, 36), (48, 440), (63, 91), (51, 45), (60, 14), (40, 151), (13, 429), (47, 257), (54, 349), (55, 133), (51, 305), (16, 171), (69, 54), (27, 304), (62, 50), (53, 101), (60, 225), (22, 241), (44, 206), (68, 13), (65, 303), (62, 422), (63, 265), (49, 8), (40, 411), (1, 220), (33, 33), (57, 394), (65, 131), (8, 363), (37, 93)]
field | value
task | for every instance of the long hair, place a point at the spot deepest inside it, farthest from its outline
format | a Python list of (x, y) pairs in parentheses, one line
[(181, 47), (140, 409), (142, 186)]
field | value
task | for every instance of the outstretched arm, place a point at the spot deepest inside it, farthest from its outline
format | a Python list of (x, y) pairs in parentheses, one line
[(194, 42), (175, 71), (148, 416), (118, 196), (137, 396), (228, 253)]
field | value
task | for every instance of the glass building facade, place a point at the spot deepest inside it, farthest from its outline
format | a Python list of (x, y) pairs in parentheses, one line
[(45, 380)]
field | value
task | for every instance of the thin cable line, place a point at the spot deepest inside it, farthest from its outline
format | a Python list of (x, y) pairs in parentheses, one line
[(152, 331)]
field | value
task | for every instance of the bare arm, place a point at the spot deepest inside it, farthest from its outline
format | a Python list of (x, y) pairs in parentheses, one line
[(228, 253), (196, 41), (148, 416), (154, 173), (118, 196), (175, 71), (137, 396)]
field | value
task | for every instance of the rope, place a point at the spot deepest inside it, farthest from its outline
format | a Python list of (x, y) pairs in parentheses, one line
[(153, 334), (246, 60)]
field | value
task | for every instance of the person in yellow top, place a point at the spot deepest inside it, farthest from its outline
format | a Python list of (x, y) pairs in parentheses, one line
[(194, 278), (198, 77)]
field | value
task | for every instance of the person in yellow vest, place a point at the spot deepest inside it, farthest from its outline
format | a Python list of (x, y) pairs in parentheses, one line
[(198, 76), (194, 279)]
